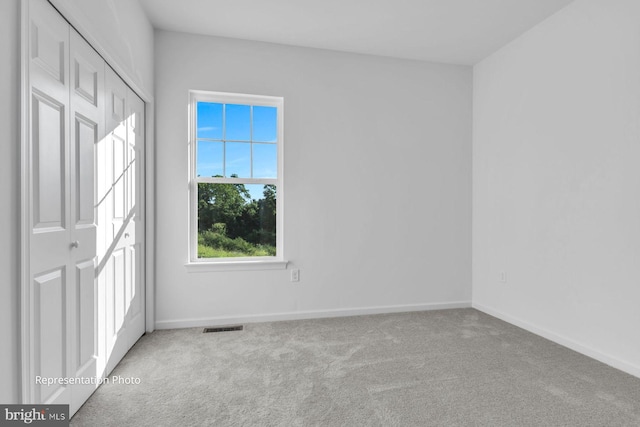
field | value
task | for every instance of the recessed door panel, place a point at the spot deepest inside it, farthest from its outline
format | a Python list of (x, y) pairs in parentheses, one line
[(48, 49), (119, 286), (135, 132), (86, 80), (51, 330), (109, 319), (49, 150), (85, 345), (117, 110), (131, 179), (86, 135), (131, 280), (119, 175)]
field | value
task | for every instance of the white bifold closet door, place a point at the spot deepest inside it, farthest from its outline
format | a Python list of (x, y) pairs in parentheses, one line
[(120, 222), (85, 294)]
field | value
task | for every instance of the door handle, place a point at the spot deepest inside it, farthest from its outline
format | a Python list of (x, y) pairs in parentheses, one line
[(126, 235), (75, 244)]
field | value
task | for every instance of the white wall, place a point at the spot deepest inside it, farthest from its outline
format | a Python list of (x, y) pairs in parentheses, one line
[(9, 194), (122, 29), (377, 175), (556, 180)]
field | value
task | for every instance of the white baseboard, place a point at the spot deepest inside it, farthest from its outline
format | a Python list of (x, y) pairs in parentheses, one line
[(312, 314), (605, 358)]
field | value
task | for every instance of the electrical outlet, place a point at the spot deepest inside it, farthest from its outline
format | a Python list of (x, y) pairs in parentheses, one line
[(295, 275), (503, 277)]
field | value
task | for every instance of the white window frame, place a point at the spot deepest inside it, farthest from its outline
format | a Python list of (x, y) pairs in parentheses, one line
[(240, 263)]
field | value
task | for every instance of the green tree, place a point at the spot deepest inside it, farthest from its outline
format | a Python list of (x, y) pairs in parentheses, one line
[(220, 204), (268, 210)]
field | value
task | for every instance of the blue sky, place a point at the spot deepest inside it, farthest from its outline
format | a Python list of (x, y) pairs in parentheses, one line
[(228, 135)]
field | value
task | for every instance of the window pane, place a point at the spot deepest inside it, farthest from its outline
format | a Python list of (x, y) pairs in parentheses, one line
[(236, 220), (265, 124), (238, 159), (210, 158), (209, 119), (238, 122), (265, 161)]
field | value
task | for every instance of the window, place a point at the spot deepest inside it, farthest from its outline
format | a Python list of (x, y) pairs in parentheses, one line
[(235, 177)]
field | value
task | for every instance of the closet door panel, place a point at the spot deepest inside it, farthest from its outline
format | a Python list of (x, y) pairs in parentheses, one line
[(87, 130), (119, 169), (48, 177)]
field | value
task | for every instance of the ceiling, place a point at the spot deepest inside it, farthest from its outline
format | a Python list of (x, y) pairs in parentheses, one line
[(448, 31)]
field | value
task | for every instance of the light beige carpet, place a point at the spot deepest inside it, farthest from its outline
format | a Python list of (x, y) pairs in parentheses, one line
[(438, 368)]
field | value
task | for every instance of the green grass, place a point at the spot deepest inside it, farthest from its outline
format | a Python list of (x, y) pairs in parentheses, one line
[(209, 252), (213, 244)]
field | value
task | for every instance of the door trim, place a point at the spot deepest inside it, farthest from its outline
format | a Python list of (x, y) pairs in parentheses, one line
[(148, 185), (26, 323)]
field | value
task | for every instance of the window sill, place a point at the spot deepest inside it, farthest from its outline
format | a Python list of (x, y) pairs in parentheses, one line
[(244, 265)]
